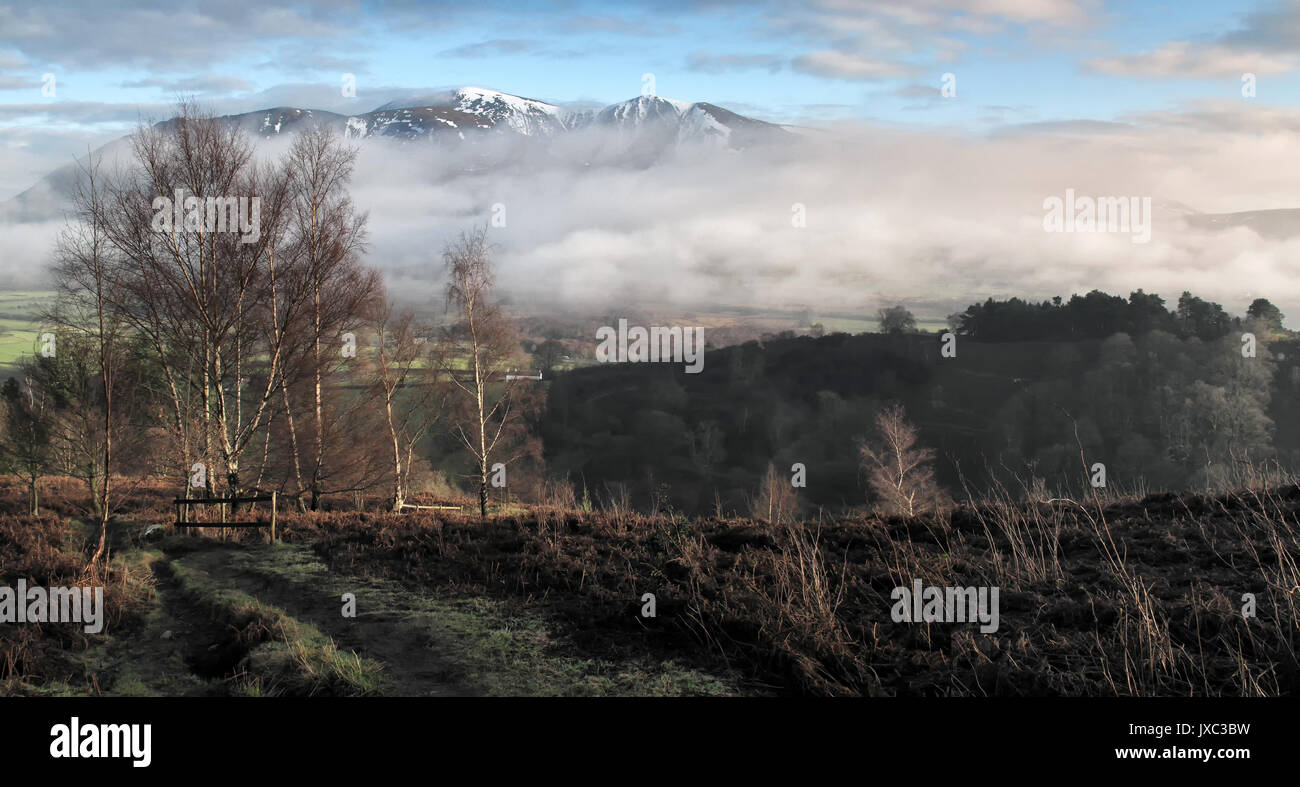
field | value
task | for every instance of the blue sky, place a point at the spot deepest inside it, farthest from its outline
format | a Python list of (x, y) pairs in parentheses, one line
[(1014, 63), (802, 62)]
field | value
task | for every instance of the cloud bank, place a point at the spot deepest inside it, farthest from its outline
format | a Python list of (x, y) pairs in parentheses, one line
[(928, 218)]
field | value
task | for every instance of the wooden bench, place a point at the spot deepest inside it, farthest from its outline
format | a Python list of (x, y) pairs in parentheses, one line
[(183, 509)]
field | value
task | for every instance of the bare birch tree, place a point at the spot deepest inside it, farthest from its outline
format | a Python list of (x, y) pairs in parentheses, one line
[(476, 354), (898, 470), (399, 352), (88, 314), (330, 237)]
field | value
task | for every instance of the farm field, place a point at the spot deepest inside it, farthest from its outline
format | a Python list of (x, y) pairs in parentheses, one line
[(20, 326)]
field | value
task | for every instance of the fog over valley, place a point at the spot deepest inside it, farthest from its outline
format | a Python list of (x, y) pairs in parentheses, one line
[(888, 213)]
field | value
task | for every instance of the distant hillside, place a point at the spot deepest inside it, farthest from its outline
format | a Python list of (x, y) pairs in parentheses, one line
[(1160, 412)]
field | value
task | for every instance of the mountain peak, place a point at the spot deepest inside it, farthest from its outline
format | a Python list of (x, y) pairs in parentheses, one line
[(450, 97), (646, 128), (519, 114), (643, 109)]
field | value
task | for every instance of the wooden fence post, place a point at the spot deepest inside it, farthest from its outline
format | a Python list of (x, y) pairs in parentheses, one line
[(272, 516)]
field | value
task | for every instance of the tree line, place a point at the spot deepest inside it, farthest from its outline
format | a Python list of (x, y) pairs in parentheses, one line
[(1098, 315)]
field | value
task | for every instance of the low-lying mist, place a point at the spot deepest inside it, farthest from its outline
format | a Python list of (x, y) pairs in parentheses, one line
[(843, 219)]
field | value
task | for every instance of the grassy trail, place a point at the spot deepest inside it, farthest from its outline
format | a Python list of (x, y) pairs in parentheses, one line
[(392, 626), (258, 619)]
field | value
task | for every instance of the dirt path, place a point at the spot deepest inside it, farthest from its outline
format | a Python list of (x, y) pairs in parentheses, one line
[(391, 626), (434, 643), (168, 654)]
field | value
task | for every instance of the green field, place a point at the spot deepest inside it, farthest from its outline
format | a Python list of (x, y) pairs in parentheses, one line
[(20, 326)]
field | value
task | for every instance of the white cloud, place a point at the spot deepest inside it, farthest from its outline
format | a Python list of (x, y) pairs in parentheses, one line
[(910, 215), (1183, 60), (843, 65)]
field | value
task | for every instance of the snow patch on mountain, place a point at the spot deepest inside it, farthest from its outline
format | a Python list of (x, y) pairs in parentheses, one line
[(699, 123), (643, 110), (356, 128), (526, 116)]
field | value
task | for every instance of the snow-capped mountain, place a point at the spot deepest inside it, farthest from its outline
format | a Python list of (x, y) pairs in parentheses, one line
[(643, 111), (466, 111), (271, 122), (642, 130), (481, 109), (521, 115), (637, 132), (684, 121), (459, 110), (707, 121), (409, 123), (278, 120)]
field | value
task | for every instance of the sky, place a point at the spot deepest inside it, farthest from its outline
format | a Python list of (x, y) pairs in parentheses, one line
[(1011, 62), (922, 184)]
